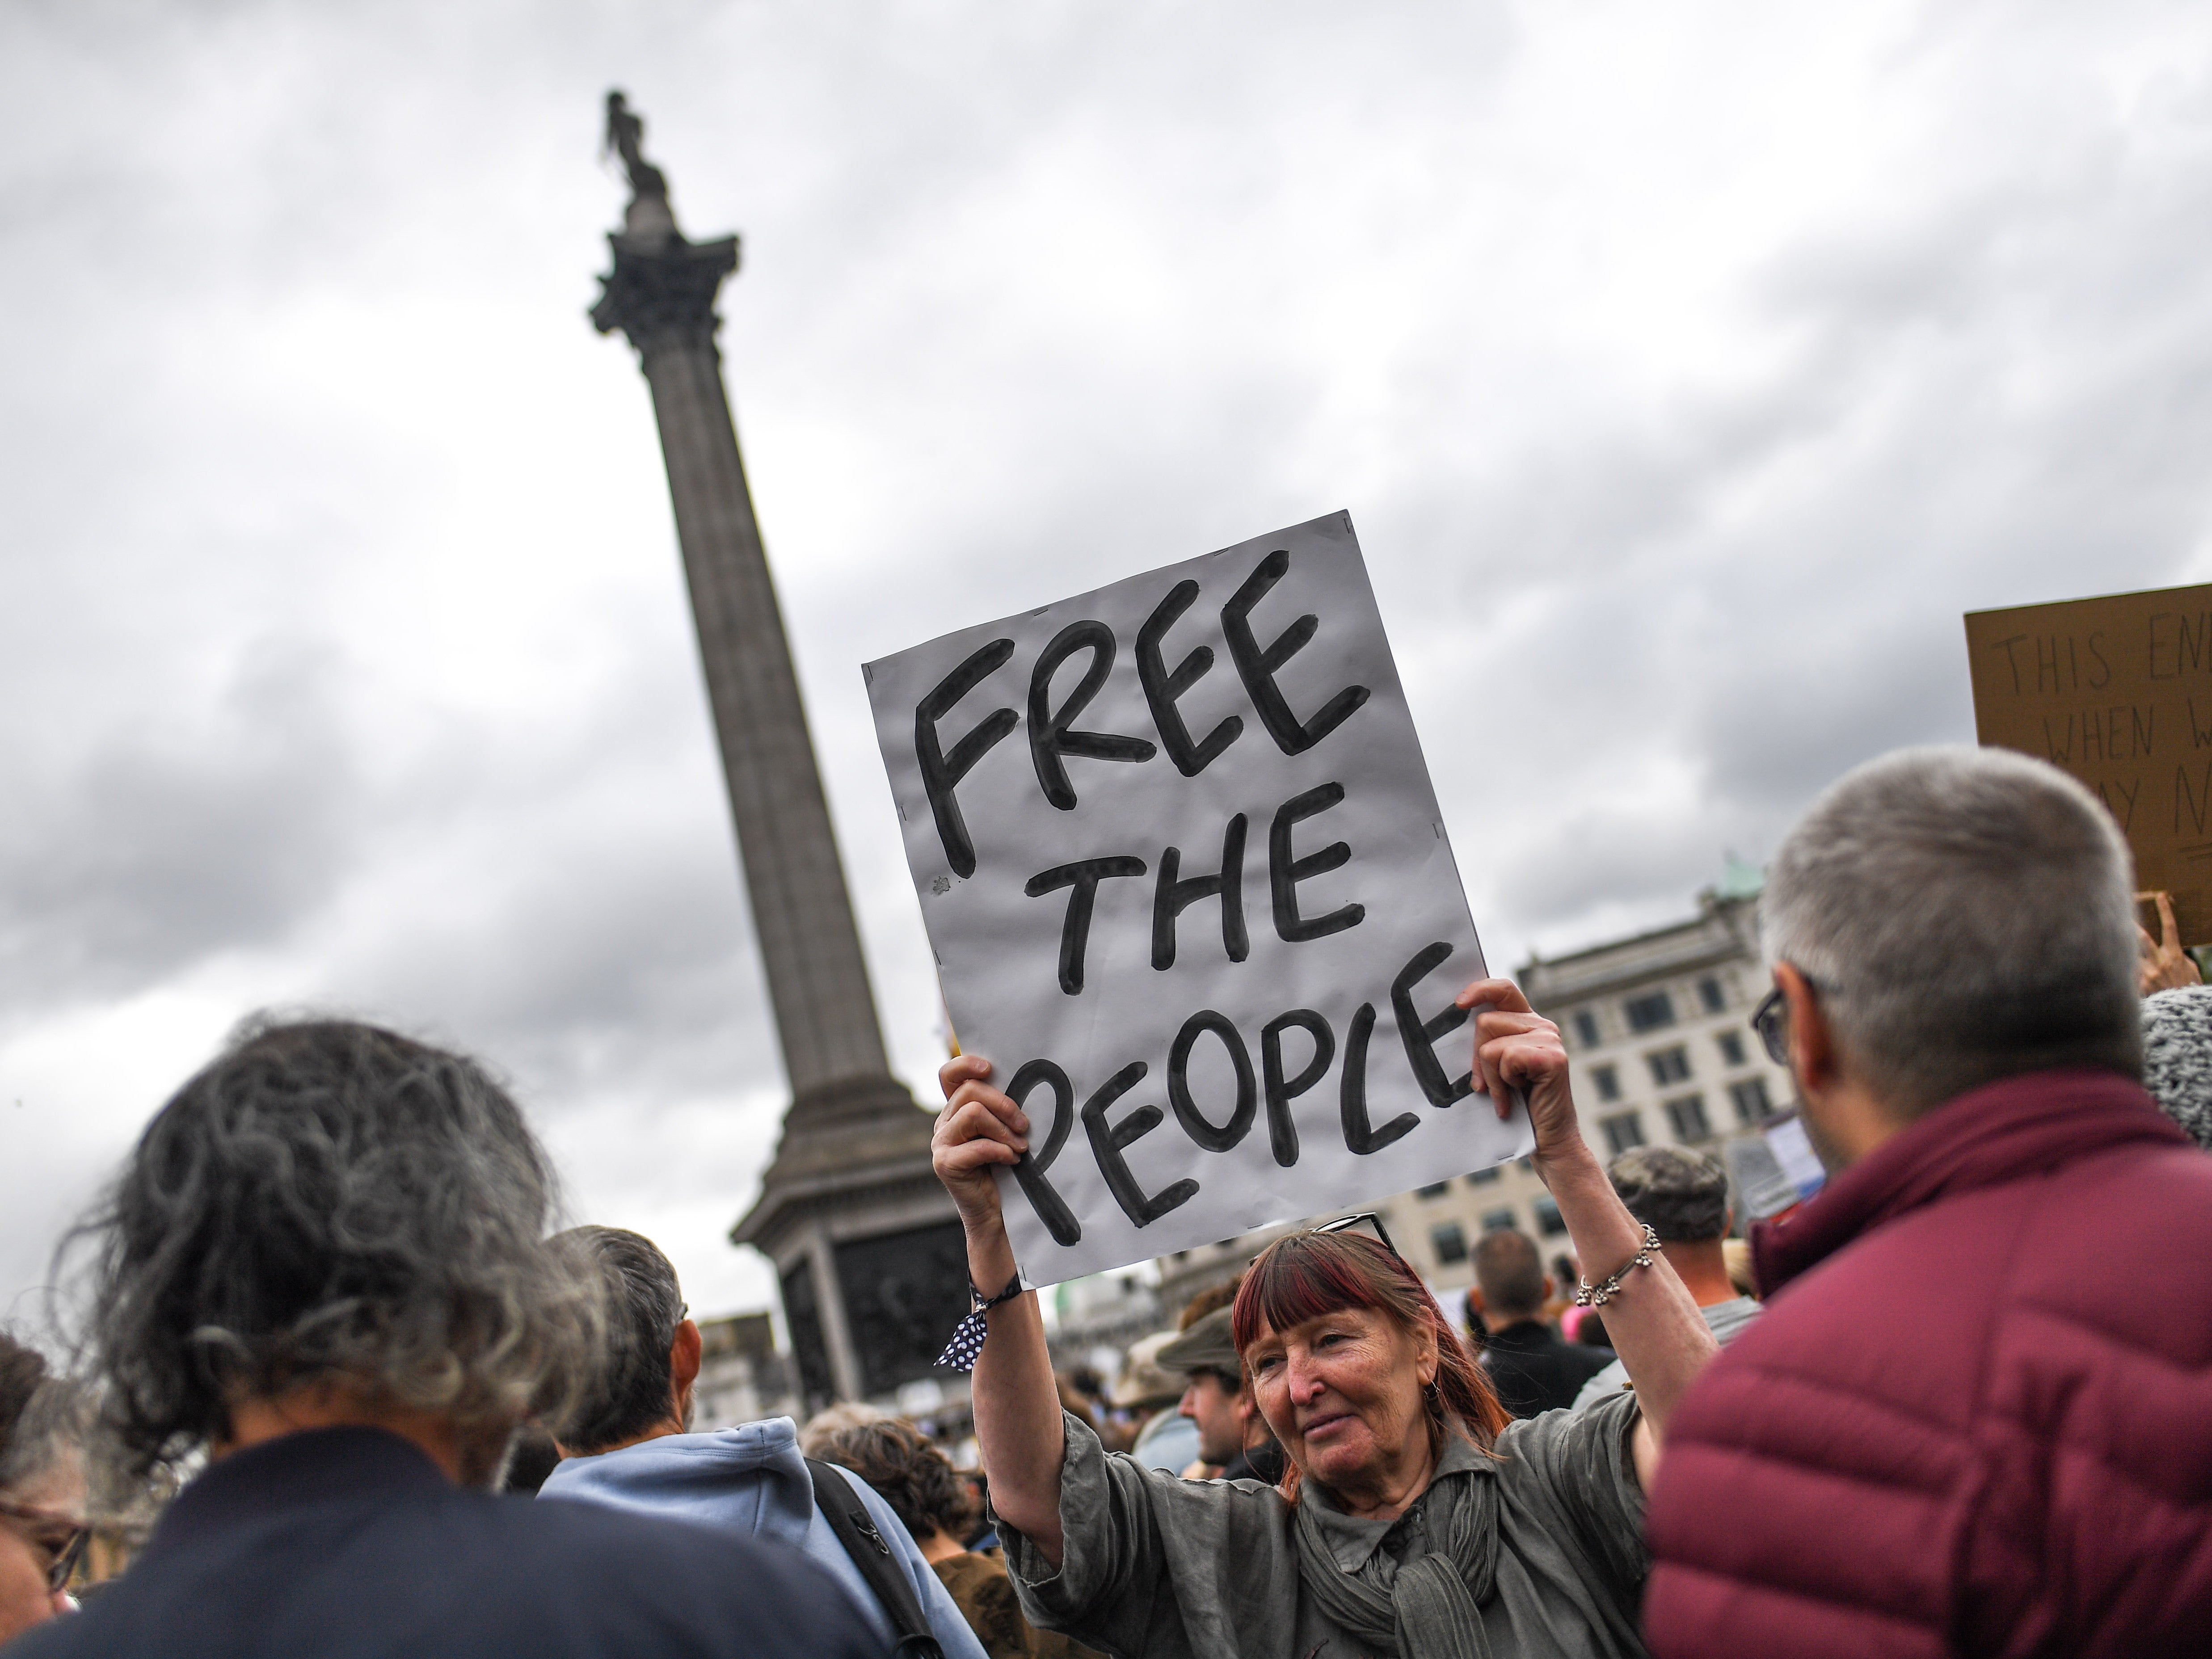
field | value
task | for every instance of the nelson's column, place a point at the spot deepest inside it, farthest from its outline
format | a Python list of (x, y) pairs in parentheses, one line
[(867, 1255)]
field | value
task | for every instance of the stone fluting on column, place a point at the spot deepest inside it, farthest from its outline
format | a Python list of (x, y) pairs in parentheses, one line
[(817, 981)]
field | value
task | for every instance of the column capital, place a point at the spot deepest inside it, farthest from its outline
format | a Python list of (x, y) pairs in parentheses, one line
[(661, 291)]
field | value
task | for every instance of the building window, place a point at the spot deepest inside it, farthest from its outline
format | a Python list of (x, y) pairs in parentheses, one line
[(1731, 1046), (1586, 1027), (1608, 1081), (1709, 994), (1751, 1105), (1623, 1131), (1437, 1190), (1687, 1114), (1448, 1240), (1649, 1013), (1483, 1177), (1497, 1221), (1549, 1221), (1668, 1066)]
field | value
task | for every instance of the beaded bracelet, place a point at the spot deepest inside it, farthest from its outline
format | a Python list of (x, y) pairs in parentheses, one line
[(1591, 1296)]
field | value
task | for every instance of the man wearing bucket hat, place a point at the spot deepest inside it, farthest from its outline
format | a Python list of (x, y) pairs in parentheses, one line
[(1232, 1435), (1168, 1440)]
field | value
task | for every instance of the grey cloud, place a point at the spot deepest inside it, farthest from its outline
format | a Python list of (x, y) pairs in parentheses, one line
[(1032, 300), (168, 845)]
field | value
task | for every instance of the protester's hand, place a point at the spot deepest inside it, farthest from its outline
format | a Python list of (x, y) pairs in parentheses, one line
[(2166, 966), (979, 1129), (1516, 1048)]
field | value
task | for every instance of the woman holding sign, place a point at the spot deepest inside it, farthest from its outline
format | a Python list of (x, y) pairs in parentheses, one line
[(1415, 1518)]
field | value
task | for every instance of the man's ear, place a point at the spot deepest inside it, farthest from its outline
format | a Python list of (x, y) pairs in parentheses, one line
[(1474, 1300), (1550, 1285), (683, 1365), (1813, 1055)]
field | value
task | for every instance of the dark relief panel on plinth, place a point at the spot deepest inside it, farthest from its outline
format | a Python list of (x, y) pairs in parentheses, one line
[(817, 1385), (904, 1292)]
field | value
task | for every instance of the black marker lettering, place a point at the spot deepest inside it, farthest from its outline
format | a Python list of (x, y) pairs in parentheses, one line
[(1049, 736), (1351, 1096), (1052, 1209), (1083, 878), (1108, 1141), (1282, 1131), (1286, 872), (1162, 688), (1256, 666), (1420, 1039), (940, 772), (1171, 897), (1195, 1121)]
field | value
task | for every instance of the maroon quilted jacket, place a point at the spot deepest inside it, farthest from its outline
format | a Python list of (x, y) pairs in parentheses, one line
[(1977, 1418)]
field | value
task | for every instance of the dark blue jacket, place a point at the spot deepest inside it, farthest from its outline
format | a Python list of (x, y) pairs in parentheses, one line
[(351, 1544)]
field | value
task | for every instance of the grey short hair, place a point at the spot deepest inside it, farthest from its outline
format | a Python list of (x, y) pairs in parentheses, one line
[(626, 1388), (1963, 915), (327, 1200), (1680, 1194)]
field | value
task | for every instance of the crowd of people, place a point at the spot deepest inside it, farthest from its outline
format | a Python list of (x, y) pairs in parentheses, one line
[(1959, 1403)]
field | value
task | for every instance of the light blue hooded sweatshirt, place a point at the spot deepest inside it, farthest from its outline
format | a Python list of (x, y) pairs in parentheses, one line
[(752, 1479)]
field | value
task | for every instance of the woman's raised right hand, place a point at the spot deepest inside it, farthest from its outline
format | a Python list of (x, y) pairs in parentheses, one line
[(979, 1129)]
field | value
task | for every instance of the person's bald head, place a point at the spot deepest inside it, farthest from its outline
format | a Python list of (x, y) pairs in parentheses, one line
[(1509, 1273)]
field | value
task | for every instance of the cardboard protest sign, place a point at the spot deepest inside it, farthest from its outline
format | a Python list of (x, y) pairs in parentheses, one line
[(1188, 890), (2118, 692)]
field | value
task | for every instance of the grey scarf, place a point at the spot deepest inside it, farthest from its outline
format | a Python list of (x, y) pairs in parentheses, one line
[(1426, 1608)]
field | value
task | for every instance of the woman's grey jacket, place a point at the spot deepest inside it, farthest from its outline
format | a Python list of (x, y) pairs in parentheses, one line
[(1547, 1542)]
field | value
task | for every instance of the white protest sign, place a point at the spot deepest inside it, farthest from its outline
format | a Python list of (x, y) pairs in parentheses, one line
[(1189, 890)]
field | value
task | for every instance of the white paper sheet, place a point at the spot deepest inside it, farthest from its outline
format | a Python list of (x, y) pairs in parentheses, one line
[(1172, 1102)]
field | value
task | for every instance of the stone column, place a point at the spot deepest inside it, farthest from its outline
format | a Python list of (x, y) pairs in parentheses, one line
[(662, 295), (852, 1168)]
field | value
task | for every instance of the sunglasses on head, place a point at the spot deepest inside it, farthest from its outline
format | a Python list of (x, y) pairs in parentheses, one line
[(59, 1534), (1365, 1218)]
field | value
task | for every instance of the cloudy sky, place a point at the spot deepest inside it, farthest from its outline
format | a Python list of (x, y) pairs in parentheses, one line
[(1688, 369)]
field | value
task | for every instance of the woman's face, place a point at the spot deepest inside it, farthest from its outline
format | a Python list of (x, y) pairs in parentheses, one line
[(1343, 1392), (27, 1547)]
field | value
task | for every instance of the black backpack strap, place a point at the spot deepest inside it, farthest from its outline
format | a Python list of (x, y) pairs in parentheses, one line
[(855, 1528)]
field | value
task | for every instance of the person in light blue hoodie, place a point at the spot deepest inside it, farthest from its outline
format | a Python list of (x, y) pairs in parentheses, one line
[(628, 1445)]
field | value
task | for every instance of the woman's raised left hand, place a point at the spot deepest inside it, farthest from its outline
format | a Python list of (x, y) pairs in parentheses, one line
[(1516, 1048)]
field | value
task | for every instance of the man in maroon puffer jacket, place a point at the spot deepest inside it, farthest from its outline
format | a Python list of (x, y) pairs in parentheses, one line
[(1976, 1416)]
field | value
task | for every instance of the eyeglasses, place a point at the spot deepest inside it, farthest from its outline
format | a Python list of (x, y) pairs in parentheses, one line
[(43, 1527), (1771, 1019), (1365, 1218)]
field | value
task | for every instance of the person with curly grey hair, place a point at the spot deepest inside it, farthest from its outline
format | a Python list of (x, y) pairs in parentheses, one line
[(325, 1267)]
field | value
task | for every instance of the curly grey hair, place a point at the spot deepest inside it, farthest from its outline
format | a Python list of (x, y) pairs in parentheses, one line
[(1964, 914), (328, 1201)]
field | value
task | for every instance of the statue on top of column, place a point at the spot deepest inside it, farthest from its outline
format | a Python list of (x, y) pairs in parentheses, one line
[(649, 214)]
